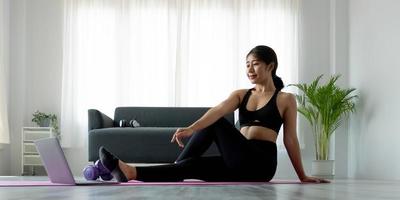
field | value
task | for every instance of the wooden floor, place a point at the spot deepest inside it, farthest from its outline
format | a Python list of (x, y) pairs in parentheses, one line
[(338, 189)]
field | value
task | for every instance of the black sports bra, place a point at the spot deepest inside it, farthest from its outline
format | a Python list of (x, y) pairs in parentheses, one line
[(268, 116)]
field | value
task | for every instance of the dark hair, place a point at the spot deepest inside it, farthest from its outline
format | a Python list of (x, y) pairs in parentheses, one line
[(268, 55)]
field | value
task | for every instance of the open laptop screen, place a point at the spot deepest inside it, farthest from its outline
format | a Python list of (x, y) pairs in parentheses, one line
[(54, 161)]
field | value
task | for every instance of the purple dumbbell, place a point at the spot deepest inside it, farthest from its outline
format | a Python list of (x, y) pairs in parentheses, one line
[(92, 172)]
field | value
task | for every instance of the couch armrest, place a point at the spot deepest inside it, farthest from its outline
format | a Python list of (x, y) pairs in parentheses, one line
[(97, 120)]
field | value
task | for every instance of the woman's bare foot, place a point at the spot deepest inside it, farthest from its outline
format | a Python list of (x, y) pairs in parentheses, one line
[(128, 170)]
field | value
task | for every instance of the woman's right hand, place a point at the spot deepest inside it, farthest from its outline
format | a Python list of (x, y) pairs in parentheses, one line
[(180, 134)]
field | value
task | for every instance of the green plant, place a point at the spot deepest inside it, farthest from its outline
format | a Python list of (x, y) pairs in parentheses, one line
[(324, 106), (40, 119)]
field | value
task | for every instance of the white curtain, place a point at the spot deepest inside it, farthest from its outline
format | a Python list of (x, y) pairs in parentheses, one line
[(165, 53), (4, 129)]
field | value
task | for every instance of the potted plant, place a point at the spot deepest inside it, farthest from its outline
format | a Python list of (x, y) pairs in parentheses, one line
[(324, 106), (46, 120)]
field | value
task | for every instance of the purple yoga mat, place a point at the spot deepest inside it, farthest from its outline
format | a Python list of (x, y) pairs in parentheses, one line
[(19, 183)]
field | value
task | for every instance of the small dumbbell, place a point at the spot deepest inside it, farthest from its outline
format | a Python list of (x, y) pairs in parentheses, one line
[(92, 172), (133, 123)]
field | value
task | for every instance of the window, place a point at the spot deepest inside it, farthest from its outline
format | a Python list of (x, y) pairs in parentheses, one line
[(166, 53)]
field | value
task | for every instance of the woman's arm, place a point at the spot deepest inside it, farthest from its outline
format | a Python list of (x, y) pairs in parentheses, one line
[(227, 106), (212, 115), (290, 136), (290, 139)]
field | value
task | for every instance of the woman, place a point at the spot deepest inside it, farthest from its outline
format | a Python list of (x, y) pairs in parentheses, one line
[(246, 155)]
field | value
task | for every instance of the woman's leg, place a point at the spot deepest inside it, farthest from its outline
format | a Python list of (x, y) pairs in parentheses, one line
[(230, 142), (240, 155), (198, 144), (238, 161), (203, 168)]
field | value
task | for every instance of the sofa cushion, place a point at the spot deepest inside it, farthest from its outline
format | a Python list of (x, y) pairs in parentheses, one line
[(144, 144)]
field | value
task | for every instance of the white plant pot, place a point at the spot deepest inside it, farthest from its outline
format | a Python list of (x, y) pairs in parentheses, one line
[(45, 123), (323, 169)]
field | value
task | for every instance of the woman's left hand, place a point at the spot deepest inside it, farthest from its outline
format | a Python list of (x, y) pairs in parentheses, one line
[(310, 179)]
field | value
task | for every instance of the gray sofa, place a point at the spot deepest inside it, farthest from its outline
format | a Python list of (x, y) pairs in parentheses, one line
[(149, 143)]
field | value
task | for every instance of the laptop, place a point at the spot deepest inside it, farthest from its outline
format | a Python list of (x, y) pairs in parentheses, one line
[(56, 164)]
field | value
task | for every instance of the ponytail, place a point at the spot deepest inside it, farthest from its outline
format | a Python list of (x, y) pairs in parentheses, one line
[(278, 82)]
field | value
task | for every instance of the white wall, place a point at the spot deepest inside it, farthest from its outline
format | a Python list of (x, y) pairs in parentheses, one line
[(374, 69), (339, 65), (17, 79), (4, 34), (5, 161), (36, 62)]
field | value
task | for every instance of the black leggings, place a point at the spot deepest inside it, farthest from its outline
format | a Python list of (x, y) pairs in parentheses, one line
[(241, 159)]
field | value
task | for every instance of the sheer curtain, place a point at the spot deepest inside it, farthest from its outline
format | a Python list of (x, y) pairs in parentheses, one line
[(165, 53), (4, 129)]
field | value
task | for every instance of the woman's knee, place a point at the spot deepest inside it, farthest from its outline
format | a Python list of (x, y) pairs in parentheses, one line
[(223, 124)]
